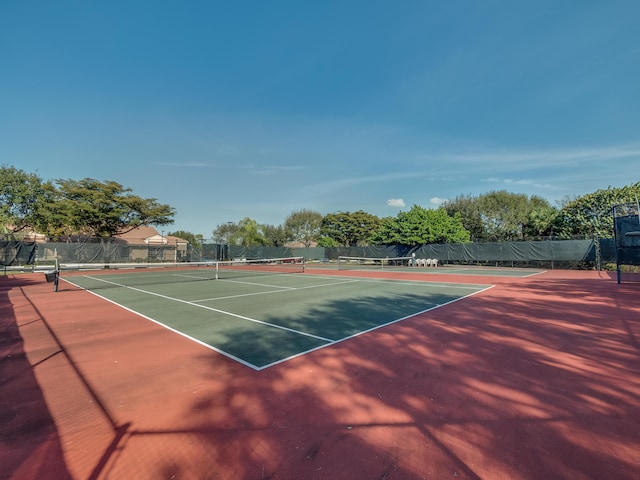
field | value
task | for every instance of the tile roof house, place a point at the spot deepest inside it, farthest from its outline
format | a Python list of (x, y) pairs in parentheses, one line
[(155, 245)]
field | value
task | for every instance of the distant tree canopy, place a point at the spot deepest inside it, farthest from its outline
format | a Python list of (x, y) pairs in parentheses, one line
[(421, 226), (225, 233), (275, 235), (22, 196), (105, 209), (67, 207), (247, 233), (348, 228), (501, 215), (303, 226), (89, 207), (591, 214), (195, 240)]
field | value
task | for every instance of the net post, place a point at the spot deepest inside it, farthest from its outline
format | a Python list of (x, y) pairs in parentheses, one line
[(56, 273)]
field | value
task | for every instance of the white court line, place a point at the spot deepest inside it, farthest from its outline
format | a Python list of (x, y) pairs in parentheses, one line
[(195, 277), (164, 325), (329, 342), (288, 289), (340, 340), (217, 310), (488, 272), (256, 284), (534, 274), (463, 286), (416, 283)]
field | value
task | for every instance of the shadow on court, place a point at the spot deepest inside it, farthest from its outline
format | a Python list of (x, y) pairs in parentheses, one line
[(28, 431), (504, 385), (326, 321), (535, 379)]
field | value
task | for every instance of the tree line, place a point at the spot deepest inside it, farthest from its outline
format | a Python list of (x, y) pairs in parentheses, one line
[(64, 208)]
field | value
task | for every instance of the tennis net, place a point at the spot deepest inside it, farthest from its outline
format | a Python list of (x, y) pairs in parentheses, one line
[(268, 266), (91, 276), (351, 263)]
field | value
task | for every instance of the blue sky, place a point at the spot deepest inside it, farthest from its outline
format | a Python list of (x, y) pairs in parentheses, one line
[(226, 110)]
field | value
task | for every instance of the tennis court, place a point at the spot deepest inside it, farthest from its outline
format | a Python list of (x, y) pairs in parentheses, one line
[(535, 377), (431, 266), (260, 316)]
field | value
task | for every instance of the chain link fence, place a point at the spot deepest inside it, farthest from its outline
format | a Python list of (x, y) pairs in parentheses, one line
[(595, 253)]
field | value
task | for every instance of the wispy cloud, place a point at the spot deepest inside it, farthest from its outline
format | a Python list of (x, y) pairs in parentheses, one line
[(531, 183), (350, 182), (544, 171), (272, 169), (548, 172), (396, 202), (542, 158), (184, 164)]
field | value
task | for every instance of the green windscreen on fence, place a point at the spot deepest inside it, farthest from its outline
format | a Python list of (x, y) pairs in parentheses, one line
[(627, 234), (17, 253), (118, 251), (568, 250)]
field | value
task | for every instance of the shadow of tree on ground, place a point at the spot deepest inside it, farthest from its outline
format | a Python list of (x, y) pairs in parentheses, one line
[(29, 442), (532, 379)]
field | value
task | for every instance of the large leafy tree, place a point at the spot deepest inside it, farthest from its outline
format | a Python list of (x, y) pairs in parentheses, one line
[(541, 222), (327, 242), (275, 235), (248, 233), (591, 214), (56, 215), (421, 226), (303, 226), (195, 240), (468, 208), (225, 233), (348, 228), (22, 196), (106, 209), (502, 215)]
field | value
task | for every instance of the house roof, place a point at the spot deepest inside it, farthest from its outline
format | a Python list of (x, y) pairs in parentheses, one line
[(146, 235), (140, 233)]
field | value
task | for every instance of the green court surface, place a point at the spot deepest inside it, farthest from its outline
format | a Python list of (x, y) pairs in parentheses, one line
[(481, 271), (459, 270), (265, 319)]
